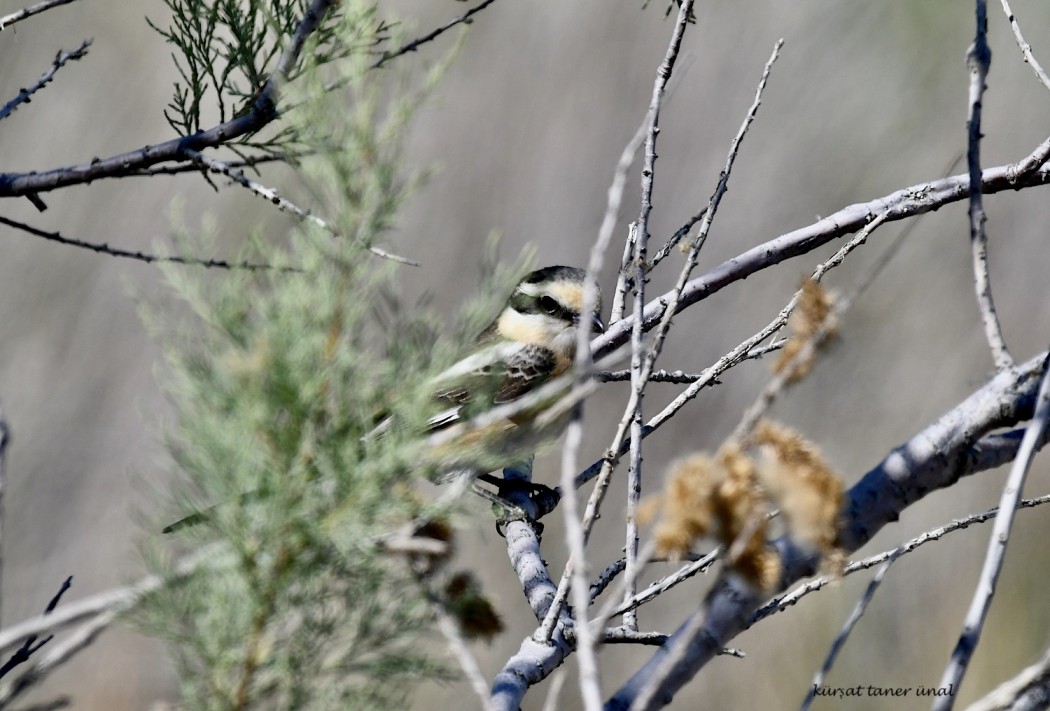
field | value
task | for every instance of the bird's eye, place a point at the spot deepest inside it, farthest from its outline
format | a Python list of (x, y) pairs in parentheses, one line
[(549, 305)]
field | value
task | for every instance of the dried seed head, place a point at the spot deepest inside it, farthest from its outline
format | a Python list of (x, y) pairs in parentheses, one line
[(801, 483), (810, 322)]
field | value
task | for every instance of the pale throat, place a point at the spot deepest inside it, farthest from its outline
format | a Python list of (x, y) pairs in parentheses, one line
[(541, 330)]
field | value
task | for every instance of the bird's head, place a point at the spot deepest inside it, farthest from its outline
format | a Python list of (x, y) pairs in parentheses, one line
[(546, 309)]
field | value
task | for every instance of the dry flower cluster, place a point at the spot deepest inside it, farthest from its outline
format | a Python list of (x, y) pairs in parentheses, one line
[(728, 498), (812, 321)]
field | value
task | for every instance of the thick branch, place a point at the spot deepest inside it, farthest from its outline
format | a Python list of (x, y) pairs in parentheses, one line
[(935, 458), (27, 12), (263, 111), (908, 202)]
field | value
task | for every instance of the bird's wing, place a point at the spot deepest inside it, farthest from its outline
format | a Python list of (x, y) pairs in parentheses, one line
[(530, 366), (494, 375)]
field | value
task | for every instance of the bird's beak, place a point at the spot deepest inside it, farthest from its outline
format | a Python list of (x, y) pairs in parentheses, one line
[(597, 327)]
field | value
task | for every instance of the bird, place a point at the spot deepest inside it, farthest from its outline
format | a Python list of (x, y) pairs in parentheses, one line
[(531, 342)]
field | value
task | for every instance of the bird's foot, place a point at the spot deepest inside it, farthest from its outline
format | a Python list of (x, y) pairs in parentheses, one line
[(505, 501), (543, 498)]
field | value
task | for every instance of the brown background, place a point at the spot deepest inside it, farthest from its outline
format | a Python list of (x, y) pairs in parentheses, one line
[(525, 132)]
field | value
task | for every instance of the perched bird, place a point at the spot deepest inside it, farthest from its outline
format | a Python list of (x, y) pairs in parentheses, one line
[(532, 341)]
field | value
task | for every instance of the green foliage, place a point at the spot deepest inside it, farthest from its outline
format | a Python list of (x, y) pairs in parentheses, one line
[(277, 380), (226, 49)]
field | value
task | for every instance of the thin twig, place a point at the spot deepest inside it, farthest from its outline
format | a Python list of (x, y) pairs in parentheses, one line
[(705, 225), (750, 347), (1026, 49), (58, 655), (464, 19), (783, 602), (1000, 538), (282, 204), (622, 279), (669, 306), (461, 652), (677, 237), (840, 640), (61, 59), (250, 162), (904, 203), (978, 59), (808, 349), (666, 583), (554, 691), (576, 571), (708, 214), (576, 534), (627, 635), (606, 578), (641, 364), (31, 646), (5, 439), (664, 251), (262, 112), (144, 256), (118, 600), (8, 20), (547, 628), (680, 377)]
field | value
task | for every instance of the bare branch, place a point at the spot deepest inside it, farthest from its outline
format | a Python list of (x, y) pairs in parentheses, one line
[(464, 19), (935, 458), (535, 659), (1000, 538), (626, 635), (639, 361), (978, 59), (462, 654), (143, 256), (908, 202), (31, 646), (1026, 49), (851, 622), (8, 20), (547, 628), (61, 59), (1027, 690), (249, 162), (262, 112), (118, 600), (58, 655), (666, 583), (779, 604), (808, 350), (698, 242), (282, 204), (622, 280), (576, 568), (5, 439)]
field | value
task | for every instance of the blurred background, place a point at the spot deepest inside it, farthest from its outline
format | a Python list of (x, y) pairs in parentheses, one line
[(524, 133)]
